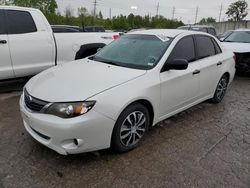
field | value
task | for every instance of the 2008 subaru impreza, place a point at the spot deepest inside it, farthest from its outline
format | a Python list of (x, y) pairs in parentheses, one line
[(113, 97)]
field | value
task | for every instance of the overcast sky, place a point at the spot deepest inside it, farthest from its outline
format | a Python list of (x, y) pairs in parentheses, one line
[(184, 9)]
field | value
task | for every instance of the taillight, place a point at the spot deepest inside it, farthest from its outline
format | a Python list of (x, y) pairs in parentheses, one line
[(116, 37)]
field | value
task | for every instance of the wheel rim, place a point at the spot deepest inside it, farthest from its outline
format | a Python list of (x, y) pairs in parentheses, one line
[(221, 89), (133, 128)]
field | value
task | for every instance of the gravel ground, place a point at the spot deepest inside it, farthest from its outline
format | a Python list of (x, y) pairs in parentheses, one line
[(205, 146)]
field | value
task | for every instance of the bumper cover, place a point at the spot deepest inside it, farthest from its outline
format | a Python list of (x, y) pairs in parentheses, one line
[(85, 133)]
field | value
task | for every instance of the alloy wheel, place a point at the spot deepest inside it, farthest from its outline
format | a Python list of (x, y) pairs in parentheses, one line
[(133, 128)]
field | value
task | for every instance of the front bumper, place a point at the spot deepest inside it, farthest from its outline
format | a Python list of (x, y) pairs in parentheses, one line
[(242, 62), (85, 133)]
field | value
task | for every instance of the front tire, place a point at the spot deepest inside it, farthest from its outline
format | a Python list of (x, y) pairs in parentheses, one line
[(130, 128), (220, 90)]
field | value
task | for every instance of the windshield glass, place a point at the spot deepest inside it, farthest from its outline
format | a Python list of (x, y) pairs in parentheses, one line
[(239, 36), (134, 51)]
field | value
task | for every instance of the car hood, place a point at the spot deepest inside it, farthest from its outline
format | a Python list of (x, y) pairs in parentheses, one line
[(78, 80), (237, 47)]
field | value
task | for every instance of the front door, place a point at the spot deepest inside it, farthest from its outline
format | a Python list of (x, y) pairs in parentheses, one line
[(6, 69), (31, 45), (180, 88)]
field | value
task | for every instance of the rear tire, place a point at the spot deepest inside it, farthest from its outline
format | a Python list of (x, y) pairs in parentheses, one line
[(220, 90), (130, 128)]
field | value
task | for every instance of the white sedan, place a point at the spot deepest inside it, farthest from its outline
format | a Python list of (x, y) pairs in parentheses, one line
[(113, 97), (239, 42)]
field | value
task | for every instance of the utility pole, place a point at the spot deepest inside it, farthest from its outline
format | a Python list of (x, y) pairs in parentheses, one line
[(157, 9), (220, 12), (95, 4), (94, 16), (110, 13), (173, 13), (196, 14)]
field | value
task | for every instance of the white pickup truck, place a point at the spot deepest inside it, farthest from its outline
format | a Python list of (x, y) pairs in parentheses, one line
[(29, 46)]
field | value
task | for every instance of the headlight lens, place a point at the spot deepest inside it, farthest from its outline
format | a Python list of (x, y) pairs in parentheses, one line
[(69, 110)]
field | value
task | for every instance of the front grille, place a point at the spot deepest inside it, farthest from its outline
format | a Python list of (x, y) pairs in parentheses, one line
[(33, 103)]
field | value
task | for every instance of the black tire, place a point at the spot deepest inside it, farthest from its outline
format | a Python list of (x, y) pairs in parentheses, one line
[(220, 90), (119, 141)]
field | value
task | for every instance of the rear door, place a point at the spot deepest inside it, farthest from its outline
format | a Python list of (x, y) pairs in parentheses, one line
[(30, 44), (6, 69), (210, 60)]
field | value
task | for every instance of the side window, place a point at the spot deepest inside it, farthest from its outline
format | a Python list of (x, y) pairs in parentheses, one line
[(205, 47), (184, 49), (19, 22), (217, 47), (2, 26), (212, 31)]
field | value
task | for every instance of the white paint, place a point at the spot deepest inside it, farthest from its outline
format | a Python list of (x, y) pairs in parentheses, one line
[(114, 88)]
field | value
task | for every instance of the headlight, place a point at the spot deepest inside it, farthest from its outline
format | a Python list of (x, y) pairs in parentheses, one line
[(69, 110)]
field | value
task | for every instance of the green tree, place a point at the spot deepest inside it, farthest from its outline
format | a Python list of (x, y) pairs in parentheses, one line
[(82, 14), (44, 5), (237, 11), (208, 20), (100, 15)]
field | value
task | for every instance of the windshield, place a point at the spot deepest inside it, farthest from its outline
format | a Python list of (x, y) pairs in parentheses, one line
[(239, 36), (134, 51)]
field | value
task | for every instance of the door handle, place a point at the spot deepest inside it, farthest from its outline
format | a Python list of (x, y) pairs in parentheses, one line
[(219, 63), (3, 41), (196, 72)]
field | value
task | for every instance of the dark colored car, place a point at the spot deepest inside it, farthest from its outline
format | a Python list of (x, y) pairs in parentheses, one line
[(65, 29), (203, 28), (94, 29)]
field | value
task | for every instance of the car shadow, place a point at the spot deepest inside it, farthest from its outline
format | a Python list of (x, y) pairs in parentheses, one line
[(8, 86)]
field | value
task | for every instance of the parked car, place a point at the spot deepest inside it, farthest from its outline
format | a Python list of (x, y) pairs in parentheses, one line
[(65, 29), (113, 97), (239, 43), (94, 29), (28, 45), (224, 35), (203, 28)]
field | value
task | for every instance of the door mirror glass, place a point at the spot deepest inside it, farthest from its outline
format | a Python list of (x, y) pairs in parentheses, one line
[(176, 64)]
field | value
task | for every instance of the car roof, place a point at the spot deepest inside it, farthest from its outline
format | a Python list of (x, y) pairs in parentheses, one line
[(242, 30), (18, 8), (172, 33), (199, 26)]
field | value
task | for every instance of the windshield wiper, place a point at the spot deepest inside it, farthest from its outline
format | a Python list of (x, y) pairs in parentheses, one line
[(106, 61)]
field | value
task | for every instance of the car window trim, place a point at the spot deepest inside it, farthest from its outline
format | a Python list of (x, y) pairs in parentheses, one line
[(192, 36), (7, 28), (216, 44), (195, 36), (5, 32)]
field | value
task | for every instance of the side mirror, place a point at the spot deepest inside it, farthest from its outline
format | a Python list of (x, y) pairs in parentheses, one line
[(221, 39), (176, 64)]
